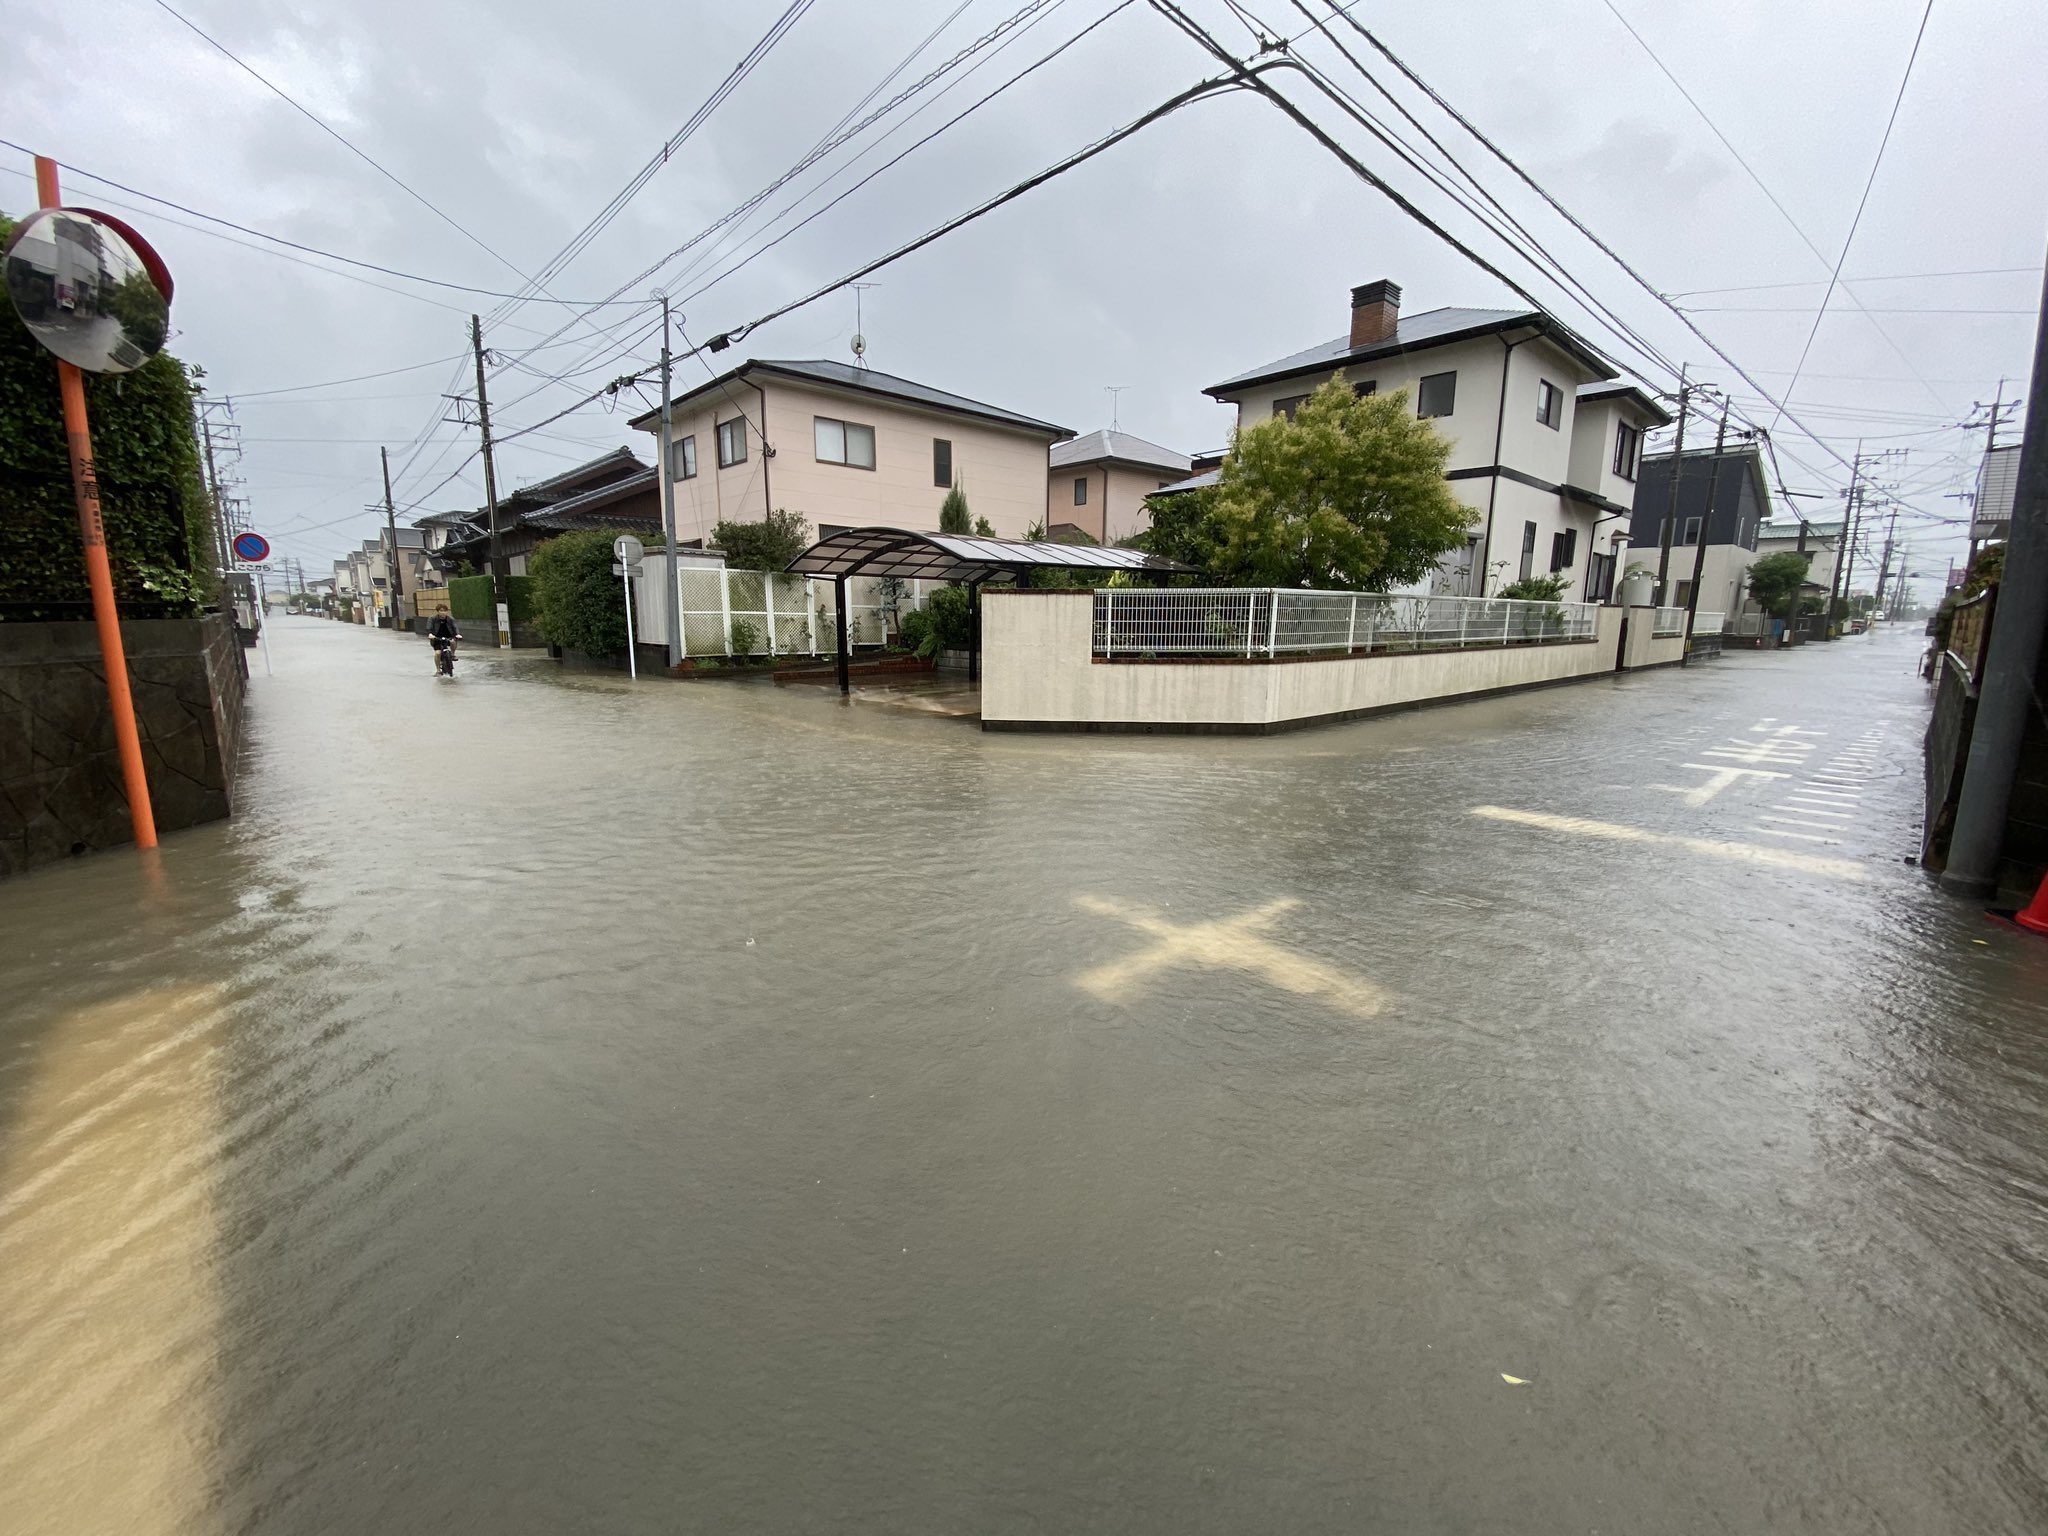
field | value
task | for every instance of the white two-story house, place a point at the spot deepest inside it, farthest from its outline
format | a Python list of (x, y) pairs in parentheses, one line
[(1545, 438), (847, 447)]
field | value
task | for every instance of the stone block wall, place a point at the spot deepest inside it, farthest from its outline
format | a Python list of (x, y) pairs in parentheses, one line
[(60, 773)]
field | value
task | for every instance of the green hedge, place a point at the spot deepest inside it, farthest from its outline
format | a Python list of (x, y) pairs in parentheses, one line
[(522, 598), (582, 604), (158, 519), (471, 599)]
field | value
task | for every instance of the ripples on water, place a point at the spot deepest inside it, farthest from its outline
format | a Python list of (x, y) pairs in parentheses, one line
[(552, 1105)]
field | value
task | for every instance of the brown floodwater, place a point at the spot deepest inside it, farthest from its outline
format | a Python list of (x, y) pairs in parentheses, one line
[(558, 1104)]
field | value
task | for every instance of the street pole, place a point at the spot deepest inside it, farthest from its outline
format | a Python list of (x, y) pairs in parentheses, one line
[(483, 417), (2006, 695), (668, 507), (99, 575), (1885, 566), (1852, 521), (391, 531), (220, 517), (1677, 468), (1699, 553)]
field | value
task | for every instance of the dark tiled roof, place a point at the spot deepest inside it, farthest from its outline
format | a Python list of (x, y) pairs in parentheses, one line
[(867, 381), (592, 509), (1431, 328)]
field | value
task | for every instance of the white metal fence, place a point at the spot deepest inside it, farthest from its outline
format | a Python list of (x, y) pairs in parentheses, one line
[(1668, 623), (767, 613), (1708, 623), (1238, 621)]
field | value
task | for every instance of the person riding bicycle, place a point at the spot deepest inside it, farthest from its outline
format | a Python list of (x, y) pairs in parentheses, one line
[(442, 635)]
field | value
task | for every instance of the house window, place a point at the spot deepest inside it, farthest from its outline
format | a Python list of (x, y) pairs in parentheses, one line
[(1080, 490), (844, 442), (1628, 450), (1437, 395), (1528, 550), (1369, 387), (1289, 406), (1692, 531), (1564, 549), (732, 442), (942, 462), (1549, 404), (1599, 578), (683, 458)]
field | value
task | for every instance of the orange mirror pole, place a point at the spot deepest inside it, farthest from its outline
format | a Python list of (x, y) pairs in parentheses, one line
[(86, 486)]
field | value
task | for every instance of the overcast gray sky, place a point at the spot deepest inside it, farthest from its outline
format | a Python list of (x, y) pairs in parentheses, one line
[(1216, 239)]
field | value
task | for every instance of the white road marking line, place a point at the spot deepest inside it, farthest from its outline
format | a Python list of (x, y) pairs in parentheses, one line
[(1749, 853), (1794, 821), (1814, 810), (1804, 837)]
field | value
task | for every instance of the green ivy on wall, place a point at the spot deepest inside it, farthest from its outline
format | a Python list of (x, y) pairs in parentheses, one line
[(158, 518)]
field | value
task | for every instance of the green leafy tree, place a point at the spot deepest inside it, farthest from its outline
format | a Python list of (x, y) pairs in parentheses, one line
[(1350, 493), (953, 516), (769, 545), (582, 604), (1775, 580)]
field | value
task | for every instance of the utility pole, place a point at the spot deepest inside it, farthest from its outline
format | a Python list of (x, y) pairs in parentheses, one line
[(391, 531), (668, 507), (1885, 566), (1998, 408), (483, 417), (1699, 553), (220, 516), (2005, 697), (1838, 591), (1677, 468)]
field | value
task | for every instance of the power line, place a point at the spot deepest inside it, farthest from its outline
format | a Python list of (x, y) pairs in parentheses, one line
[(1835, 274), (1851, 282)]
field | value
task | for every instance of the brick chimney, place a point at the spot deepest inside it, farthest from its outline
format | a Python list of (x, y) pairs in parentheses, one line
[(1375, 310)]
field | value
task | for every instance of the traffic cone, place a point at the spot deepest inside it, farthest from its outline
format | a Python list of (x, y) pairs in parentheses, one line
[(2035, 917)]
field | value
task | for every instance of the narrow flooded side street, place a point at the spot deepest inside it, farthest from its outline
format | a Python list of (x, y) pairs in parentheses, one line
[(554, 1103)]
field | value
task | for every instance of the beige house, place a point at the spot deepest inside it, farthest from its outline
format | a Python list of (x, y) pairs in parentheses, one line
[(1543, 450), (847, 447), (1098, 482)]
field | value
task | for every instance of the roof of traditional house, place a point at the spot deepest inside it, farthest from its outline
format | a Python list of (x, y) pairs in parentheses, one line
[(1416, 333), (589, 509), (864, 381), (1110, 446)]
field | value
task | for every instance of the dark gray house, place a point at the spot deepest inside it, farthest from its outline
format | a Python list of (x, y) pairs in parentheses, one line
[(1723, 497)]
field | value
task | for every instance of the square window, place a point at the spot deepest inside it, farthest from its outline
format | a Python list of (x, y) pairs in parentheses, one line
[(1080, 490), (942, 462), (1549, 404), (843, 442), (683, 458), (1289, 406), (1369, 387), (732, 442), (1437, 395)]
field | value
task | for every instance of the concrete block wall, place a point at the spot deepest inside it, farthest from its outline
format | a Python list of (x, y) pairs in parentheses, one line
[(1038, 672), (60, 775)]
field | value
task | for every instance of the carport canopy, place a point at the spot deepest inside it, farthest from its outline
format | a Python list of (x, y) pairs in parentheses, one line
[(959, 557)]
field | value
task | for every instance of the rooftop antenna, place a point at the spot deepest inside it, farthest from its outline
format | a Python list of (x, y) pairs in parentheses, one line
[(860, 342), (1113, 391)]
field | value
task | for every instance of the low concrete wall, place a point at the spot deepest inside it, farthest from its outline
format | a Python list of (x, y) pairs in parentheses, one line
[(1038, 674), (60, 773), (1640, 648)]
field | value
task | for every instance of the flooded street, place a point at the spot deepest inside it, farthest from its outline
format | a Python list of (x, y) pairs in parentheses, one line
[(557, 1104)]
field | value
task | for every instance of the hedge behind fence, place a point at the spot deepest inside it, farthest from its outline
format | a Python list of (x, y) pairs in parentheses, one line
[(471, 598), (158, 519)]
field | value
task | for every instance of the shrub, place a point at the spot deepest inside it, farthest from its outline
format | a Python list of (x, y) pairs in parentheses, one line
[(1535, 589), (159, 519), (943, 624), (953, 515), (582, 604), (768, 545), (744, 637), (472, 599), (522, 599)]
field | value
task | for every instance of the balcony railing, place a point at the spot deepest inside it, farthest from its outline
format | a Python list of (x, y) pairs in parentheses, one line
[(1142, 624)]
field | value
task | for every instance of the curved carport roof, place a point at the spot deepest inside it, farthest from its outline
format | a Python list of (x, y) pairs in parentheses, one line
[(963, 557), (957, 557)]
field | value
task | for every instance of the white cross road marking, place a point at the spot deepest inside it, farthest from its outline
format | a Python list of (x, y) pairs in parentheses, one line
[(1720, 779), (1235, 943)]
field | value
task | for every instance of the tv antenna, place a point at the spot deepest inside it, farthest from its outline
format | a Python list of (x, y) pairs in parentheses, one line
[(1113, 391), (860, 342)]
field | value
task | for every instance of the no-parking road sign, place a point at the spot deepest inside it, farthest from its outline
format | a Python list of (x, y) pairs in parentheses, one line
[(251, 547)]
